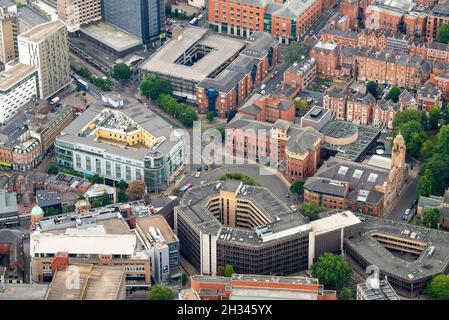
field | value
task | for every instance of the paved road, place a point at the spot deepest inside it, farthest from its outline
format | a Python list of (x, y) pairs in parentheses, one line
[(275, 184), (404, 201)]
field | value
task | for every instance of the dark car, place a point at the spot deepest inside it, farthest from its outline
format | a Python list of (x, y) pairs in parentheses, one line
[(206, 167), (199, 168)]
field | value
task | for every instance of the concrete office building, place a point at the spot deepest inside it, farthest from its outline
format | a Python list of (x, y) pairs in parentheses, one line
[(98, 237), (46, 48), (18, 85), (383, 292), (9, 214), (248, 227), (8, 30), (125, 143), (159, 238), (142, 18), (75, 13)]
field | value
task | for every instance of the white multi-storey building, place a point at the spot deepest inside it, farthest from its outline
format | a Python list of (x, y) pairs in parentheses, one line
[(46, 47), (18, 85)]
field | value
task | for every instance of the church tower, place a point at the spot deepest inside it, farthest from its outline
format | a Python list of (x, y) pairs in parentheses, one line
[(398, 152)]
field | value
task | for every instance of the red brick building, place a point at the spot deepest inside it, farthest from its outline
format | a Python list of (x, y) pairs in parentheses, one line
[(342, 38), (335, 100), (428, 96), (269, 109), (326, 57), (384, 113), (284, 20), (437, 16), (359, 108)]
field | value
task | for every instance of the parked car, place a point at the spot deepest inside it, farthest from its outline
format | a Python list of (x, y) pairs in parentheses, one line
[(199, 168), (287, 194), (206, 167), (197, 174)]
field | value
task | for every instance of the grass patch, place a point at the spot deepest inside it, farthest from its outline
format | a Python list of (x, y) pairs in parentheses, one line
[(241, 177)]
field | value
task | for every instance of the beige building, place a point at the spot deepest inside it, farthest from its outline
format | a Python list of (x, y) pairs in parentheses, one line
[(46, 47), (8, 31), (75, 13)]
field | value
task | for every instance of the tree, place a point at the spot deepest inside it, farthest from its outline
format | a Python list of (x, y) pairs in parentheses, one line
[(184, 279), (105, 200), (394, 94), (136, 190), (443, 33), (52, 169), (122, 185), (295, 51), (97, 203), (301, 105), (443, 139), (121, 71), (81, 196), (431, 218), (437, 168), (160, 292), (121, 196), (96, 179), (331, 270), (51, 211), (347, 294), (297, 187), (414, 136), (229, 270), (438, 287), (425, 186), (311, 210), (152, 87), (407, 116), (210, 116), (374, 89), (434, 117)]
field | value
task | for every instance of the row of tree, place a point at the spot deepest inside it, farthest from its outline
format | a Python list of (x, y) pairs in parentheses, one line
[(103, 84)]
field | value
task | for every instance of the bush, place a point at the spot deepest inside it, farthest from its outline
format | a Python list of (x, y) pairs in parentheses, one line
[(241, 177)]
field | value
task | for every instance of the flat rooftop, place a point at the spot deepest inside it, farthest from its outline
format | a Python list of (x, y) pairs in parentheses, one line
[(353, 151), (220, 50), (14, 75), (96, 283), (24, 291), (384, 292), (284, 221), (111, 36), (422, 267), (30, 16), (40, 32), (157, 222), (131, 109)]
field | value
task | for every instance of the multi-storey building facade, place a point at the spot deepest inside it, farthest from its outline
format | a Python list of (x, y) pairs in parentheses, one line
[(122, 144), (437, 16), (142, 18), (326, 56), (284, 20), (18, 85), (359, 108), (428, 96), (384, 113), (75, 13), (8, 31), (298, 76), (335, 100), (268, 109), (46, 48)]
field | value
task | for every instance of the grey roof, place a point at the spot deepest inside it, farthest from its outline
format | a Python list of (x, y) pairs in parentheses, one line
[(387, 104), (439, 46), (383, 292), (336, 92), (8, 201), (353, 151), (416, 270), (305, 140), (343, 34), (243, 64), (7, 237), (46, 198), (281, 217), (429, 90), (131, 109), (405, 96), (30, 16), (367, 99), (251, 109), (224, 82), (259, 43), (348, 51), (335, 173)]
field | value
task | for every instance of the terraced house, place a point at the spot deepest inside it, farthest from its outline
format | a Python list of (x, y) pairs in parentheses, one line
[(286, 20)]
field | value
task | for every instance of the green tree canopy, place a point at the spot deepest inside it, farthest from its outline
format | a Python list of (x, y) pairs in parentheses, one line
[(297, 187), (160, 292), (394, 94), (229, 270), (136, 190), (97, 203), (443, 33), (295, 51), (374, 89), (52, 169), (311, 210), (407, 116), (434, 117), (210, 116), (431, 218), (331, 270), (437, 169), (105, 200), (443, 139), (121, 71), (347, 294), (425, 185), (121, 196), (438, 287), (96, 179), (153, 86), (184, 279), (414, 136)]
